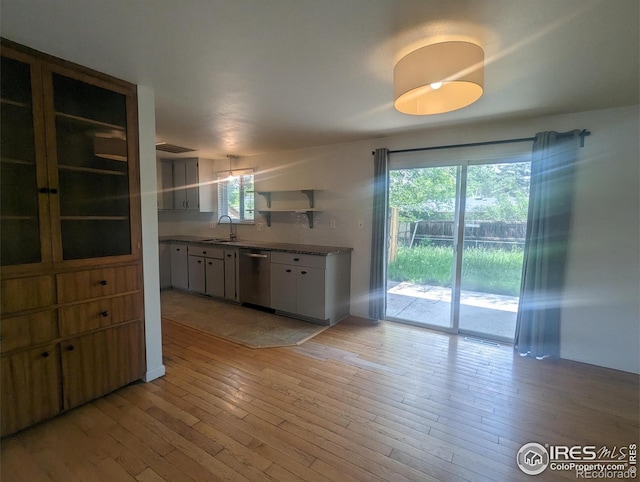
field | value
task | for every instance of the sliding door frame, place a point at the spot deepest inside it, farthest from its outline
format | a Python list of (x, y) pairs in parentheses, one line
[(458, 242)]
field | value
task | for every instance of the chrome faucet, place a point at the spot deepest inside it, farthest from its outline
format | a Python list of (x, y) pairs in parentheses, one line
[(232, 234)]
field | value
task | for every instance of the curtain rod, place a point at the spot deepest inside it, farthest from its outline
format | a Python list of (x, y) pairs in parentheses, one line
[(583, 133)]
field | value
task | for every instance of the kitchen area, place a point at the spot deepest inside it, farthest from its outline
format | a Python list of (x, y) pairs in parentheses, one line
[(211, 247)]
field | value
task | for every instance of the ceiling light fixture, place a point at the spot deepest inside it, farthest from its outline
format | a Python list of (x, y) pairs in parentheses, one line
[(438, 78)]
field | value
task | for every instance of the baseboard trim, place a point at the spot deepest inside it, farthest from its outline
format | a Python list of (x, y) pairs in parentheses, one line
[(151, 375)]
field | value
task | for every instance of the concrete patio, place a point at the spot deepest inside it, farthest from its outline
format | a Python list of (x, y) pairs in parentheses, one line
[(490, 314)]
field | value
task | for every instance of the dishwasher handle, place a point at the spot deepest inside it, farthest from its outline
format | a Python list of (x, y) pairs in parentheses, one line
[(254, 255)]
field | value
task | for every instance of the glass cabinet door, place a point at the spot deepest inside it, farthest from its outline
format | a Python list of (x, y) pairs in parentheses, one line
[(91, 165), (23, 191)]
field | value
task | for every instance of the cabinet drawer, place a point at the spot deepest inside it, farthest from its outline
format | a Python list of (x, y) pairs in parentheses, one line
[(82, 285), (21, 294), (309, 260), (27, 330), (207, 252), (98, 314)]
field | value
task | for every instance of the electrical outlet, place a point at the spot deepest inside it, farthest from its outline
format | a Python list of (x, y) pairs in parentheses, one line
[(260, 226), (332, 224), (360, 224), (212, 225)]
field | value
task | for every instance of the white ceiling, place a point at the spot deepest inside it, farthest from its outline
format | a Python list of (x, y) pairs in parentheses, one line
[(241, 77)]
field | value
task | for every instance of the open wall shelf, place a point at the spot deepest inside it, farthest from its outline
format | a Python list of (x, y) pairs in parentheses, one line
[(309, 211)]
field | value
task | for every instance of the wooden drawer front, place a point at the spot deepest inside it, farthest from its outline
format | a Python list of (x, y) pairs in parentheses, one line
[(27, 330), (208, 252), (95, 283), (99, 314), (308, 260), (21, 294)]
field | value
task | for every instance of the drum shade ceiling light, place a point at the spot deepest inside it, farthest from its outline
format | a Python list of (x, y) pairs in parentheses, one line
[(438, 78)]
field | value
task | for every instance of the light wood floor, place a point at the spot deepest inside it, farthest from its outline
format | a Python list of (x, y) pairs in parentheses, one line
[(361, 401)]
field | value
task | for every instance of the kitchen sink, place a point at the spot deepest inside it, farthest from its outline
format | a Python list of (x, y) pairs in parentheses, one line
[(217, 240)]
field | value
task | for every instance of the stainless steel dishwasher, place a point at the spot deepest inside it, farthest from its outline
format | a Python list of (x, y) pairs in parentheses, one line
[(255, 277)]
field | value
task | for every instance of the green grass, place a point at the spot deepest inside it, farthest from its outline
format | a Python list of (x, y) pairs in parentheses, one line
[(485, 270)]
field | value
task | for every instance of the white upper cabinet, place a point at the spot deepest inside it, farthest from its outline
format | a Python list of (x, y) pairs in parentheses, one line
[(186, 185)]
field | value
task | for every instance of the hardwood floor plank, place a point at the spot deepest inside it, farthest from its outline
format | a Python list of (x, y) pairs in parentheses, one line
[(129, 423), (361, 401), (19, 465)]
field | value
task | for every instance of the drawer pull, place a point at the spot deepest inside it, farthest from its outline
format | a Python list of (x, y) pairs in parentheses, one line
[(104, 282), (70, 348), (45, 354), (288, 270), (303, 272), (204, 252), (104, 314), (296, 259)]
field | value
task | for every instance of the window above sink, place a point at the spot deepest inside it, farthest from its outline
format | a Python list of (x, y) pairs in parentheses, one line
[(236, 195)]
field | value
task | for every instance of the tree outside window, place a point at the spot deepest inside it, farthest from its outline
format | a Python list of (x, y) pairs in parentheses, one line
[(236, 195)]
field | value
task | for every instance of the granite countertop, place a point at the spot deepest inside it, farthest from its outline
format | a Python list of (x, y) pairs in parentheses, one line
[(267, 245)]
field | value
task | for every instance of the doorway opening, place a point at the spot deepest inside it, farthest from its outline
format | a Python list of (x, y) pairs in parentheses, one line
[(456, 246)]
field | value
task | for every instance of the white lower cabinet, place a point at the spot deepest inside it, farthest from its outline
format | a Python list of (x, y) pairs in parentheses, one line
[(298, 290), (209, 270), (315, 288), (312, 300), (214, 275), (230, 274), (284, 288), (164, 254), (179, 266), (311, 287), (196, 274)]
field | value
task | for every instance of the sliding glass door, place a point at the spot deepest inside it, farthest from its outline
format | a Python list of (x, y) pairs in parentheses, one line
[(456, 246), (420, 267)]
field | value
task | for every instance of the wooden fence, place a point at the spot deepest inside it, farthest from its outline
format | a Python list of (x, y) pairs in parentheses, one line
[(490, 234)]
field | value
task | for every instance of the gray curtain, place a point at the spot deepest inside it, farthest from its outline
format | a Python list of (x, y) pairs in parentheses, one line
[(550, 205), (378, 277)]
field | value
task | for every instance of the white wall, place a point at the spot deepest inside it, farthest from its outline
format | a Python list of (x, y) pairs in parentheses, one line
[(600, 322), (151, 273)]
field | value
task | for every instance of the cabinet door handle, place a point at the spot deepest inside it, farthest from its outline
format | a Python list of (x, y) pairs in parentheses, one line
[(104, 282), (70, 348), (229, 256), (199, 261), (177, 249), (45, 354), (43, 190), (204, 252), (184, 204), (303, 272), (210, 262), (104, 313), (53, 191)]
